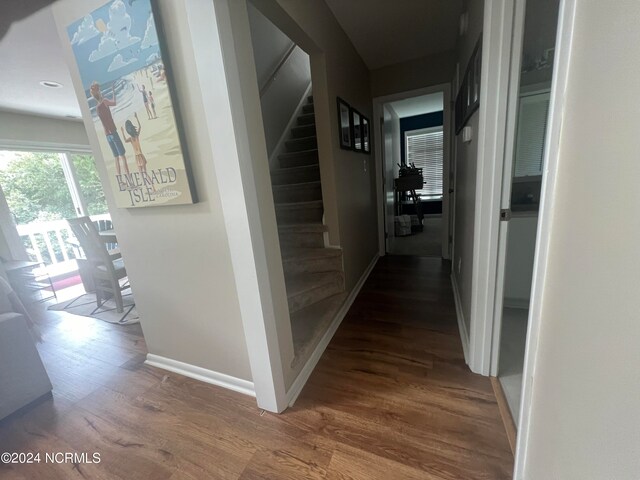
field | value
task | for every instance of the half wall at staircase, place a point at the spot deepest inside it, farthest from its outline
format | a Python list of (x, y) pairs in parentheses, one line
[(284, 75)]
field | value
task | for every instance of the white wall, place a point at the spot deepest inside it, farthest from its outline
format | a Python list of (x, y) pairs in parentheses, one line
[(178, 257), (413, 74), (585, 413), (268, 42), (280, 100), (466, 169), (23, 131)]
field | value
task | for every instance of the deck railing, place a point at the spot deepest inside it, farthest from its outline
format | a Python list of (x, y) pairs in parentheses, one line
[(52, 242)]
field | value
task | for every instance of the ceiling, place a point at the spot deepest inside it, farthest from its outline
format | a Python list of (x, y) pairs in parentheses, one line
[(30, 52), (418, 105), (382, 33), (385, 32)]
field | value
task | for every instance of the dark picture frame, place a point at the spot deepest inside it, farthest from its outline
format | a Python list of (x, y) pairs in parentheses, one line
[(468, 98), (356, 130), (366, 135), (345, 126)]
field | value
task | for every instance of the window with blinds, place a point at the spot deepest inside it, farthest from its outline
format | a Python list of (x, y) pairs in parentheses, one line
[(424, 148), (532, 126)]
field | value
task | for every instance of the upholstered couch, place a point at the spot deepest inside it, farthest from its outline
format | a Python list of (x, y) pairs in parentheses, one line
[(23, 378)]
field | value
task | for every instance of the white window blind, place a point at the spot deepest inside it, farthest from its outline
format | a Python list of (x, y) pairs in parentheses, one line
[(532, 126), (424, 148)]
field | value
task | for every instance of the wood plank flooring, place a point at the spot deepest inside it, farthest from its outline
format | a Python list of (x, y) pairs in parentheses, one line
[(390, 399)]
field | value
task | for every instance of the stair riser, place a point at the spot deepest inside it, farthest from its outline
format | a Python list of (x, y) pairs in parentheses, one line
[(306, 120), (301, 144), (304, 131), (297, 193), (301, 160), (284, 177), (308, 108), (318, 294), (313, 265), (290, 216), (302, 240), (310, 99)]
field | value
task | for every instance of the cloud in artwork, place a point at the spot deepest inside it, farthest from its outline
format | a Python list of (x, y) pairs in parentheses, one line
[(118, 62), (117, 36), (150, 34), (86, 31), (154, 57)]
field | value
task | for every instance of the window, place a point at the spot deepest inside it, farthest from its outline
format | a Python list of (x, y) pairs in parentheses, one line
[(532, 125), (42, 190), (425, 149)]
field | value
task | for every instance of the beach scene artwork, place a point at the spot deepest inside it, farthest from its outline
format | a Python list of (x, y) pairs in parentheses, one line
[(126, 87)]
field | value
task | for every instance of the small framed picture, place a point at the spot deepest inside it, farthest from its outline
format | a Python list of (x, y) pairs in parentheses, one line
[(356, 120), (344, 124), (366, 140)]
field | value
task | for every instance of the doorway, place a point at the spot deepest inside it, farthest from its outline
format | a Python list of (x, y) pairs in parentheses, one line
[(414, 170), (530, 85)]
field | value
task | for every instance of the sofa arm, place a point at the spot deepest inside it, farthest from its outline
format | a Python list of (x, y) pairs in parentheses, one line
[(23, 377)]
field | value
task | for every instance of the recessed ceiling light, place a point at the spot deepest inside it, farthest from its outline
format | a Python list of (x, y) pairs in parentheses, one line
[(50, 84)]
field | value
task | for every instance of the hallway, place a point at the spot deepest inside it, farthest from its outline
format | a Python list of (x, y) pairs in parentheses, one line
[(392, 390), (391, 398)]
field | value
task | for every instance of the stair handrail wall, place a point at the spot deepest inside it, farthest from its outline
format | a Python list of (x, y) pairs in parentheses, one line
[(270, 79), (280, 146)]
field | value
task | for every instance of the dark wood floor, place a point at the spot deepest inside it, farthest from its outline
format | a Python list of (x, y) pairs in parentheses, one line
[(390, 399)]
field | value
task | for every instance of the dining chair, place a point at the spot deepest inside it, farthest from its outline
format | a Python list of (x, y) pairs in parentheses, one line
[(107, 270)]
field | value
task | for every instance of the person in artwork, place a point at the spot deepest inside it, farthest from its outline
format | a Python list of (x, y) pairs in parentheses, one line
[(152, 102), (134, 140), (103, 109), (145, 99)]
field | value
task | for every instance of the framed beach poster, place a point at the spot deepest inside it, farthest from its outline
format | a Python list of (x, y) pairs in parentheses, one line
[(127, 84)]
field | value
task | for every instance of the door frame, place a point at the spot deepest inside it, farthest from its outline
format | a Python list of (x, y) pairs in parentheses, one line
[(496, 60), (507, 170), (564, 38), (378, 103)]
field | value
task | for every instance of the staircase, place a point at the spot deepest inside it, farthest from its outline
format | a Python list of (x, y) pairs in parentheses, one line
[(313, 274)]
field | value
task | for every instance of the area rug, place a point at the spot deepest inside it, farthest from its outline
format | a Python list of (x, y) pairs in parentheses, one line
[(85, 305)]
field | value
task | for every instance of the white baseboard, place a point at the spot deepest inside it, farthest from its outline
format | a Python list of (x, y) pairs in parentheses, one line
[(464, 335), (202, 374), (305, 373)]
